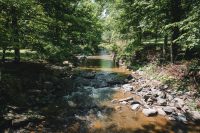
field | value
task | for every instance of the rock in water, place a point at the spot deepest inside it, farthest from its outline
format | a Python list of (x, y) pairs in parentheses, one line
[(149, 112), (182, 118), (135, 106)]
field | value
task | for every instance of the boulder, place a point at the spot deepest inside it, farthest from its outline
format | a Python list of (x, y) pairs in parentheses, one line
[(149, 112)]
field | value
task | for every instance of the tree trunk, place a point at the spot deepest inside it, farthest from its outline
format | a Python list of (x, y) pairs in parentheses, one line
[(16, 35), (176, 17), (17, 55)]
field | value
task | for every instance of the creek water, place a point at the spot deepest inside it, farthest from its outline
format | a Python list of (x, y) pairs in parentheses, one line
[(83, 103)]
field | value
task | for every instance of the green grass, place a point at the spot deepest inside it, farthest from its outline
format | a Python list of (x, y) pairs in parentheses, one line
[(26, 54)]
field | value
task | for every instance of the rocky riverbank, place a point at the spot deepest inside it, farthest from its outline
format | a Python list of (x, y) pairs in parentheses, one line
[(156, 98)]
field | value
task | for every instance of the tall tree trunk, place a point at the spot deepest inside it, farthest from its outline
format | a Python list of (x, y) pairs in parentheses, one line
[(16, 35), (176, 17)]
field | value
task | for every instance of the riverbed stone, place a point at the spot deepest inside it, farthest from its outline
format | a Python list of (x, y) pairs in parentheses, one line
[(195, 115), (181, 117), (161, 111), (135, 106), (168, 109), (127, 87), (149, 112), (126, 99), (161, 101)]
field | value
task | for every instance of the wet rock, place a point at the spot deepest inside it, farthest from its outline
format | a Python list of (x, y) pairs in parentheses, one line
[(168, 109), (126, 99), (161, 101), (135, 106), (149, 112), (89, 75), (71, 104), (171, 118), (127, 87), (182, 118)]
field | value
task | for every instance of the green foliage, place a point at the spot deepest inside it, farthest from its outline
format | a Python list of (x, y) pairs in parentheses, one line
[(55, 29)]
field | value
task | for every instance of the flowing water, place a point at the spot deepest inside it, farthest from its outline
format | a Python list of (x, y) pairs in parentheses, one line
[(115, 118), (83, 103)]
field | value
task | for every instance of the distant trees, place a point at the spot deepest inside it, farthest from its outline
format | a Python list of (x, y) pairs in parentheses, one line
[(174, 21), (55, 29)]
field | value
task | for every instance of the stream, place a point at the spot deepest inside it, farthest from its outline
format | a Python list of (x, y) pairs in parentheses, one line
[(89, 104)]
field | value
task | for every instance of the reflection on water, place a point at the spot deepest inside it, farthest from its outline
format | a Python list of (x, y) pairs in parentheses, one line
[(102, 63)]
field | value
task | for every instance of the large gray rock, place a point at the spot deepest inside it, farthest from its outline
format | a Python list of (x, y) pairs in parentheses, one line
[(149, 112)]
